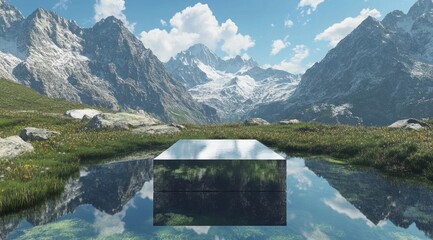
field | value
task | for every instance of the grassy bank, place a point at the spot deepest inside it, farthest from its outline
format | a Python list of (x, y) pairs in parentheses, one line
[(31, 178)]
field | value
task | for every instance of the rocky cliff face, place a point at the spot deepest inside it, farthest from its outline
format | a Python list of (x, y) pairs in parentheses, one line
[(232, 86), (105, 65), (381, 72)]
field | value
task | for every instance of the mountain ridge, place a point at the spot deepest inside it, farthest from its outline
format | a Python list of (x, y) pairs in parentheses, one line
[(379, 73), (105, 65), (232, 86)]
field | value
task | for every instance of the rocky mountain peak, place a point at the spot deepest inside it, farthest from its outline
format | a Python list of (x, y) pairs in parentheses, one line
[(379, 73), (241, 61), (110, 22), (421, 7), (9, 16), (392, 18), (199, 52)]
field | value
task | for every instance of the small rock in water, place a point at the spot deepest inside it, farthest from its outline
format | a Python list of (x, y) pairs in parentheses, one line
[(37, 134), (256, 121)]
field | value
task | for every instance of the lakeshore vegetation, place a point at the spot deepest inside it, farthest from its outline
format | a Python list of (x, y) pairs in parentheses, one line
[(32, 178)]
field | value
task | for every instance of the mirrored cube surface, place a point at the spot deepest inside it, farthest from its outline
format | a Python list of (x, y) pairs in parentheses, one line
[(219, 208), (219, 182), (219, 165)]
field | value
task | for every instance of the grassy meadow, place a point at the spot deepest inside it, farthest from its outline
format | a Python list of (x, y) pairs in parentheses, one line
[(31, 178)]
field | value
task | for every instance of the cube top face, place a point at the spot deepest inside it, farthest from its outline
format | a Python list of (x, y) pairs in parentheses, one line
[(219, 150)]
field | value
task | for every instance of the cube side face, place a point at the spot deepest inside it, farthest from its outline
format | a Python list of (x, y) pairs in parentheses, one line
[(219, 175), (220, 209)]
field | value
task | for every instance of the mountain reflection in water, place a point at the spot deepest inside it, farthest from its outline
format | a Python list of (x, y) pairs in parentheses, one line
[(324, 201)]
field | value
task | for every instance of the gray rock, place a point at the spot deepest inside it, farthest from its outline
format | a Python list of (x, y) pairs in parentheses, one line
[(180, 127), (256, 121), (409, 124), (289, 122), (13, 146), (80, 113), (86, 118), (158, 129), (122, 121), (37, 134)]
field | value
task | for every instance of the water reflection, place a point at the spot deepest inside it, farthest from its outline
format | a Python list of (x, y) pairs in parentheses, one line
[(377, 199), (323, 201), (108, 188)]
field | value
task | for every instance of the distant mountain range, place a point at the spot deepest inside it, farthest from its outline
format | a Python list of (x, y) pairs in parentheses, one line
[(234, 86), (105, 65), (381, 72)]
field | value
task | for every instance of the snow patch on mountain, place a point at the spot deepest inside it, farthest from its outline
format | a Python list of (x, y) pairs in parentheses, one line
[(7, 63), (105, 65), (232, 86)]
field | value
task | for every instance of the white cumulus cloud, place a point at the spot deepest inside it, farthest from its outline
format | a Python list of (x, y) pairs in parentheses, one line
[(277, 46), (310, 4), (296, 63), (107, 8), (335, 33), (196, 24)]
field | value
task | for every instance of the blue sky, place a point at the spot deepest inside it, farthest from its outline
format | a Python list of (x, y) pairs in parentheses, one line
[(286, 34)]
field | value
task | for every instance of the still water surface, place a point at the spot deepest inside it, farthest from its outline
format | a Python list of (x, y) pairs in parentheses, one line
[(324, 201)]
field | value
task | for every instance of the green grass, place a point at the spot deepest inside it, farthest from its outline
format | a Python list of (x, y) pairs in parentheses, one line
[(15, 97), (31, 178)]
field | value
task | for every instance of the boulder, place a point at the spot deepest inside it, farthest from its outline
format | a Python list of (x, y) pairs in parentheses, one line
[(256, 121), (13, 146), (37, 134), (289, 122), (158, 129), (180, 127), (86, 118), (409, 124), (121, 121), (80, 113)]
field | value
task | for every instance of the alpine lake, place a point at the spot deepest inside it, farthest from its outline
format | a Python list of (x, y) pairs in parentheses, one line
[(172, 197)]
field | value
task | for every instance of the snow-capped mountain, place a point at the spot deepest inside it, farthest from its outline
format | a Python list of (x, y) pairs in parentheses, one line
[(381, 72), (233, 86), (105, 65)]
